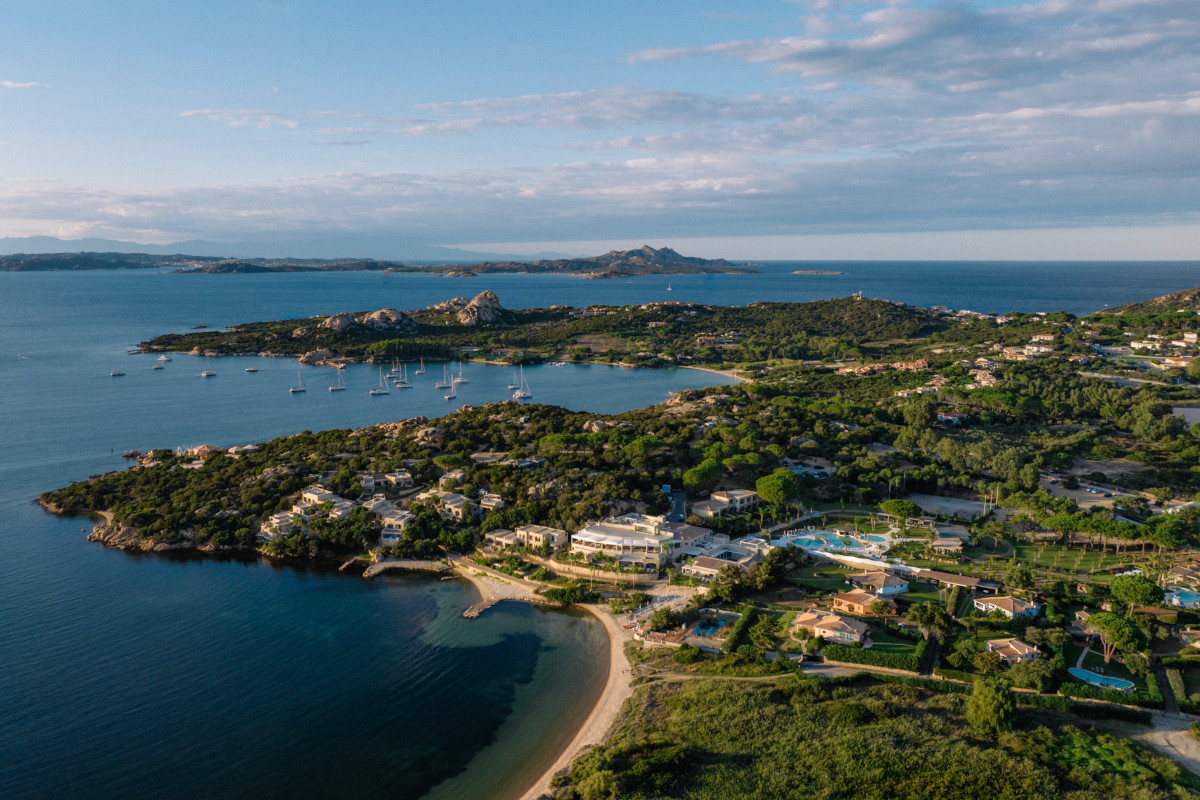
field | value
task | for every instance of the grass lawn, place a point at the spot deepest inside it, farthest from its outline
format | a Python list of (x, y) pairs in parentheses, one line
[(887, 643), (919, 592), (822, 577)]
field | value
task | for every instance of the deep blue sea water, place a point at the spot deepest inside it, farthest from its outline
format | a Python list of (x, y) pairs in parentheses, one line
[(147, 676)]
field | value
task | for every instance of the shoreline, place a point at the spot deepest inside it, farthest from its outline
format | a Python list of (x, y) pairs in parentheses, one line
[(617, 686), (607, 711), (727, 373)]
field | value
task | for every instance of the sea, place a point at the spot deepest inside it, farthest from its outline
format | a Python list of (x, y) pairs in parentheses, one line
[(146, 676)]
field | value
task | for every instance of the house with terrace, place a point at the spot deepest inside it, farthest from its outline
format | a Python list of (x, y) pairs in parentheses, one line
[(1012, 650), (880, 583), (1010, 607), (533, 537), (830, 627), (861, 603)]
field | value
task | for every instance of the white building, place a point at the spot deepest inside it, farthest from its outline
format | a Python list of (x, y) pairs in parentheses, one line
[(635, 540)]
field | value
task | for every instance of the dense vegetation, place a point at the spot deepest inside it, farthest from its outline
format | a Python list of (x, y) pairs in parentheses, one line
[(660, 333), (809, 738)]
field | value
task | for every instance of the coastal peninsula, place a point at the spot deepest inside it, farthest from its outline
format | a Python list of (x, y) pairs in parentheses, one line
[(970, 533)]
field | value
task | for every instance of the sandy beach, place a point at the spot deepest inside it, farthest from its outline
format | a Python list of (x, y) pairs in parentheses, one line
[(608, 708), (494, 587), (725, 373)]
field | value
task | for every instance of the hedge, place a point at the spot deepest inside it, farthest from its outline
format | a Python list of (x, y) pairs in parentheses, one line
[(855, 655), (737, 634), (955, 674), (1175, 678)]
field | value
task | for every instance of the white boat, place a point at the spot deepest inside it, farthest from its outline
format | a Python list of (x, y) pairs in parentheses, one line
[(451, 394), (251, 369), (341, 385), (208, 373), (516, 384), (421, 369), (116, 373), (394, 371), (668, 287), (459, 378), (157, 366), (444, 383), (299, 387), (522, 392), (382, 389), (402, 381), (164, 358)]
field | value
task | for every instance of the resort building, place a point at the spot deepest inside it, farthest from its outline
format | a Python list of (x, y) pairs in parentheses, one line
[(735, 500), (860, 602), (950, 579), (879, 583), (534, 537), (1010, 607), (1012, 650), (637, 540), (831, 627), (281, 525), (947, 545), (704, 568)]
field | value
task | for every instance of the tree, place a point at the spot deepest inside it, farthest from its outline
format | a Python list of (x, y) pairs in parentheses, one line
[(1134, 590), (900, 508), (988, 663), (779, 488), (920, 413), (991, 705), (1116, 633), (1033, 673), (1019, 576), (880, 608), (928, 616)]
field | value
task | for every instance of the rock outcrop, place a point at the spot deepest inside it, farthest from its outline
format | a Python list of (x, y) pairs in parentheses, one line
[(338, 322), (484, 309), (316, 356), (389, 319)]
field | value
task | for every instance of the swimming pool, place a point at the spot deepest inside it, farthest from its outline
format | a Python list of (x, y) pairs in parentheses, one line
[(873, 538), (711, 629), (1103, 681), (1185, 598)]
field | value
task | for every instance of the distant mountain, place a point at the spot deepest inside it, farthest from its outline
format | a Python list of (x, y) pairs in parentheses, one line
[(1187, 300), (614, 264)]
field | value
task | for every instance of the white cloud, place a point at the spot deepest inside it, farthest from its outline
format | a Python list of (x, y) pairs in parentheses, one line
[(244, 118), (22, 85)]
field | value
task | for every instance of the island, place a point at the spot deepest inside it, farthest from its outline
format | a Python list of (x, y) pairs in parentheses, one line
[(645, 260), (917, 553)]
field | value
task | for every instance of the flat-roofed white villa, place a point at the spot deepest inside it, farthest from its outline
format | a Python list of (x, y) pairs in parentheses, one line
[(635, 540)]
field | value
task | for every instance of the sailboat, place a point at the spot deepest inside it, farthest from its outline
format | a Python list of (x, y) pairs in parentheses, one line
[(402, 380), (394, 371), (421, 371), (381, 389), (459, 378), (208, 373), (341, 385), (444, 383), (522, 392), (516, 384), (668, 287), (299, 387), (451, 394)]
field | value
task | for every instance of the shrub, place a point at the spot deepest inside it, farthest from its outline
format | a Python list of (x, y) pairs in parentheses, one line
[(853, 655)]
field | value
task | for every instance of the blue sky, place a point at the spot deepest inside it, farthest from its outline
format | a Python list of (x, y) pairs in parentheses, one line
[(791, 129)]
